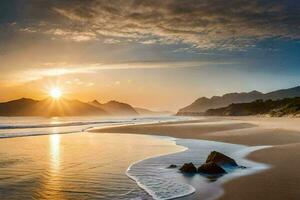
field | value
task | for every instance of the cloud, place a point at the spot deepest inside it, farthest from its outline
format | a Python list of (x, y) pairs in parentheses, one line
[(77, 36), (205, 24), (111, 41), (73, 35), (60, 69)]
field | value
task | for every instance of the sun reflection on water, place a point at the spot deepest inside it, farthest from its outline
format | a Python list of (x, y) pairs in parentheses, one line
[(55, 151), (52, 180)]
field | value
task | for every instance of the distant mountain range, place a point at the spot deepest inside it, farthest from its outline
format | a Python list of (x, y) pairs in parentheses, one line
[(65, 107), (115, 108), (203, 104), (274, 108), (147, 112), (48, 107)]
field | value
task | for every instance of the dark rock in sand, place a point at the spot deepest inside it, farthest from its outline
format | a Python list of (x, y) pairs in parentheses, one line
[(220, 159), (188, 168), (172, 166), (211, 168)]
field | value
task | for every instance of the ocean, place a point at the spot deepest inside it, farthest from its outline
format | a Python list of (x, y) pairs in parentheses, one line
[(38, 160)]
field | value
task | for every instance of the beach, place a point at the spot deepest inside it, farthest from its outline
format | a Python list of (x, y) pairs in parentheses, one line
[(281, 181), (149, 100)]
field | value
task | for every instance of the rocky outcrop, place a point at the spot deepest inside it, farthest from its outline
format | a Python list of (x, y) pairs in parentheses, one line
[(214, 165), (188, 168), (220, 159), (211, 168), (172, 166)]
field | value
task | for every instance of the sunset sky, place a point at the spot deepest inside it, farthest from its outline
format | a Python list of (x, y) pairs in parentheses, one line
[(160, 54)]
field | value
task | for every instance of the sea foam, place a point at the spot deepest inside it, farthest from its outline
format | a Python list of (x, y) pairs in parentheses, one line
[(154, 176), (29, 126)]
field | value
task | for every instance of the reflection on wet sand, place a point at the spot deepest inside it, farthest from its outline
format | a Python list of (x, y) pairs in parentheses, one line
[(75, 166), (54, 150), (53, 183)]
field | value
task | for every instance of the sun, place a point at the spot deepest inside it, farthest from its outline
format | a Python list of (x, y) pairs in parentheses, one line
[(55, 93)]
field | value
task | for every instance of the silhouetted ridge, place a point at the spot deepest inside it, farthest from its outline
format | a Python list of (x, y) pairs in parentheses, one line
[(202, 104), (277, 108), (63, 107), (116, 108)]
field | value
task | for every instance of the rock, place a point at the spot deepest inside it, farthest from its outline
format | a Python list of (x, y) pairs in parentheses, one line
[(220, 159), (188, 168), (211, 168), (172, 166)]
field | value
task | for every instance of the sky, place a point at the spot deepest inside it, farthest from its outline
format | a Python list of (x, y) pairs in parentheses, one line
[(148, 53)]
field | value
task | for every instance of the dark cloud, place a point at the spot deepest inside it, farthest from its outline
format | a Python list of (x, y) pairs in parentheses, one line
[(205, 24)]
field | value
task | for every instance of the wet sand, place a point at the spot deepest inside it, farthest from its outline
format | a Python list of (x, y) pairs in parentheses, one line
[(75, 166), (280, 182)]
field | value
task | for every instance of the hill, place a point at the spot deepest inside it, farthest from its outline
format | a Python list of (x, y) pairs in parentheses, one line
[(202, 104), (48, 107), (115, 108), (64, 107), (275, 108)]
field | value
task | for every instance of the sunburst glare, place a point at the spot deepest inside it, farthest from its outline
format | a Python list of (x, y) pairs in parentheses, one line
[(55, 93)]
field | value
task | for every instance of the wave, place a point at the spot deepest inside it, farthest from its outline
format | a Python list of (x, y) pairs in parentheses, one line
[(162, 183), (27, 126), (185, 189), (61, 124)]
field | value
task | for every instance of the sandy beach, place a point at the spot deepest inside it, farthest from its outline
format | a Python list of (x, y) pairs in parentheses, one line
[(281, 181)]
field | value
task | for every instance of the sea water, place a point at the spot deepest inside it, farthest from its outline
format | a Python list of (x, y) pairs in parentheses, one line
[(29, 126), (86, 165), (161, 182), (75, 166)]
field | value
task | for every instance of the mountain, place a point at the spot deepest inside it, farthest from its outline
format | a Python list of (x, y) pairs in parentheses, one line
[(202, 104), (147, 112), (277, 108), (48, 107), (285, 93), (115, 108)]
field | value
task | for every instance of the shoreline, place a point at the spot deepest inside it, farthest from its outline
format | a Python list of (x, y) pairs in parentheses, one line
[(143, 187), (283, 134), (279, 182), (21, 130), (240, 153)]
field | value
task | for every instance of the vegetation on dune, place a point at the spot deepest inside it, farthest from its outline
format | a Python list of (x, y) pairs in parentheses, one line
[(274, 108)]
